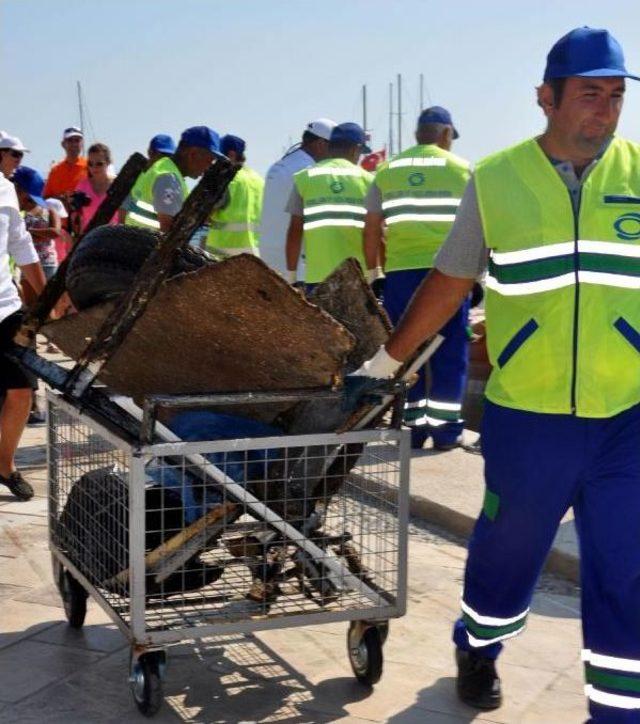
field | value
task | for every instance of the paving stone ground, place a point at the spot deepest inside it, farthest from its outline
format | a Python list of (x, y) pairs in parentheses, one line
[(51, 673)]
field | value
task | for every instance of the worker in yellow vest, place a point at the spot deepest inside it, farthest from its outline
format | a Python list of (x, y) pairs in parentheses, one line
[(557, 218), (327, 208), (162, 188), (234, 226), (414, 198)]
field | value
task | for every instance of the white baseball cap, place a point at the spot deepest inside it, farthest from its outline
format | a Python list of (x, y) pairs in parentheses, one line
[(57, 206), (321, 127), (72, 132), (12, 142)]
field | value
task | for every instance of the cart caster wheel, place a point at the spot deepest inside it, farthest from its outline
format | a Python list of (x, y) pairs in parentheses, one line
[(145, 681), (74, 598), (384, 631), (364, 644)]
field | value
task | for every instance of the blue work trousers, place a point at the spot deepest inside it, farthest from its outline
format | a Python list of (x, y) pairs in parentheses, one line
[(536, 467), (439, 413)]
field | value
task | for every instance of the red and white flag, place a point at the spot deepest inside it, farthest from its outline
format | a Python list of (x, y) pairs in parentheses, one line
[(372, 160)]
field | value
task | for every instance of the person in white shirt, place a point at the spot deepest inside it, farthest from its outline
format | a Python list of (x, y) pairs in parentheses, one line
[(278, 185), (15, 382)]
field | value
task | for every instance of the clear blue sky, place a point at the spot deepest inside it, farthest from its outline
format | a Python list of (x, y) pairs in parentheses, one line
[(263, 68)]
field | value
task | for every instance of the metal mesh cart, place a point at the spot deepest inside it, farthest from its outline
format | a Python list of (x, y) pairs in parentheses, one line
[(181, 540)]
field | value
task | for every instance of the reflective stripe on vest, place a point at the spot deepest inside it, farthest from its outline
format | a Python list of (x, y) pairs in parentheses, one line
[(562, 305), (321, 215), (420, 191), (415, 209), (543, 268)]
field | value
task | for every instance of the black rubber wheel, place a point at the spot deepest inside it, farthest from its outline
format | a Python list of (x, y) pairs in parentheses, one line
[(365, 653), (145, 681), (74, 598), (107, 259)]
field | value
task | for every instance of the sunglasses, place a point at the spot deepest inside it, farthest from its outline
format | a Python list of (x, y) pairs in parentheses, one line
[(96, 163), (16, 154)]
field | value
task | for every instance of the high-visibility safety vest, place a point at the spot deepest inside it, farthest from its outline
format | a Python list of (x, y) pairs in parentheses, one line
[(234, 229), (563, 288), (142, 211), (421, 190), (333, 193)]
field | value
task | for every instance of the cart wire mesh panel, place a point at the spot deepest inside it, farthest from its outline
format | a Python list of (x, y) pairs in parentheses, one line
[(184, 540)]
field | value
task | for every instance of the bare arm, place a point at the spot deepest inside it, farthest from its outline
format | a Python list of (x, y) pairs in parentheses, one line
[(372, 238), (294, 242), (434, 303), (34, 275), (51, 232)]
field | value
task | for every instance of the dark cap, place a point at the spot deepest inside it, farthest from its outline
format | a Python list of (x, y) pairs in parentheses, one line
[(201, 137), (586, 52), (162, 143), (232, 143), (350, 133), (437, 114), (30, 181)]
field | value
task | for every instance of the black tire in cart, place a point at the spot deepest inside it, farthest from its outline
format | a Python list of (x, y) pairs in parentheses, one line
[(364, 646), (145, 680), (107, 259), (74, 598)]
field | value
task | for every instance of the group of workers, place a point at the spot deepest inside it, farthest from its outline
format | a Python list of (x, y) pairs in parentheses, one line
[(554, 222)]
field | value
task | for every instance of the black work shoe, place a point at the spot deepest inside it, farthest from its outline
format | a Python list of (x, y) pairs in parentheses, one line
[(478, 683), (445, 446), (17, 485)]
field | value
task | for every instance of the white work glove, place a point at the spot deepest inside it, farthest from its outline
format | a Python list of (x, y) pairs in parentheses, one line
[(368, 379), (382, 366)]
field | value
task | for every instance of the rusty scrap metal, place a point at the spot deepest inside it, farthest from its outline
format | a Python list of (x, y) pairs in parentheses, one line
[(132, 305)]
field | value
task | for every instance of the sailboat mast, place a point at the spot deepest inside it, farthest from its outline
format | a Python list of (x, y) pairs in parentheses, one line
[(364, 108), (390, 119), (80, 106)]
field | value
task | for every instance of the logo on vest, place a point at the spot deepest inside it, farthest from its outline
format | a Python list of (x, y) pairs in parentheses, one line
[(416, 179), (627, 226), (336, 186)]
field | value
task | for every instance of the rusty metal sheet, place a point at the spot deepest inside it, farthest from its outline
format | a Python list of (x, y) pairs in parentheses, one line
[(233, 326), (347, 297)]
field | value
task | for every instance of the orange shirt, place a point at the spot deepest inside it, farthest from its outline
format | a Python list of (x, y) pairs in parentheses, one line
[(64, 177)]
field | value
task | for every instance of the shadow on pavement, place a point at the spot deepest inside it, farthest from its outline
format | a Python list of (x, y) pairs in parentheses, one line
[(435, 703)]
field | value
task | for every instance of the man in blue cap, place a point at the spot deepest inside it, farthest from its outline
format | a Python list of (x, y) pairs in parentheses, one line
[(413, 201), (234, 224), (557, 221), (159, 146), (327, 207), (163, 189)]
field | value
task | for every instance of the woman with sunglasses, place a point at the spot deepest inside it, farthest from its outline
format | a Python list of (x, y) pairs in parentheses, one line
[(11, 152), (91, 191)]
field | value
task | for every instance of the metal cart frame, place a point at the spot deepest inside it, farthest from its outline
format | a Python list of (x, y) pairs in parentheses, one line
[(364, 602)]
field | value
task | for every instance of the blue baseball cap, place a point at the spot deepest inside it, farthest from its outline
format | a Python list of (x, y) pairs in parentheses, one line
[(202, 137), (232, 143), (586, 52), (30, 181), (350, 133), (437, 114), (162, 143)]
